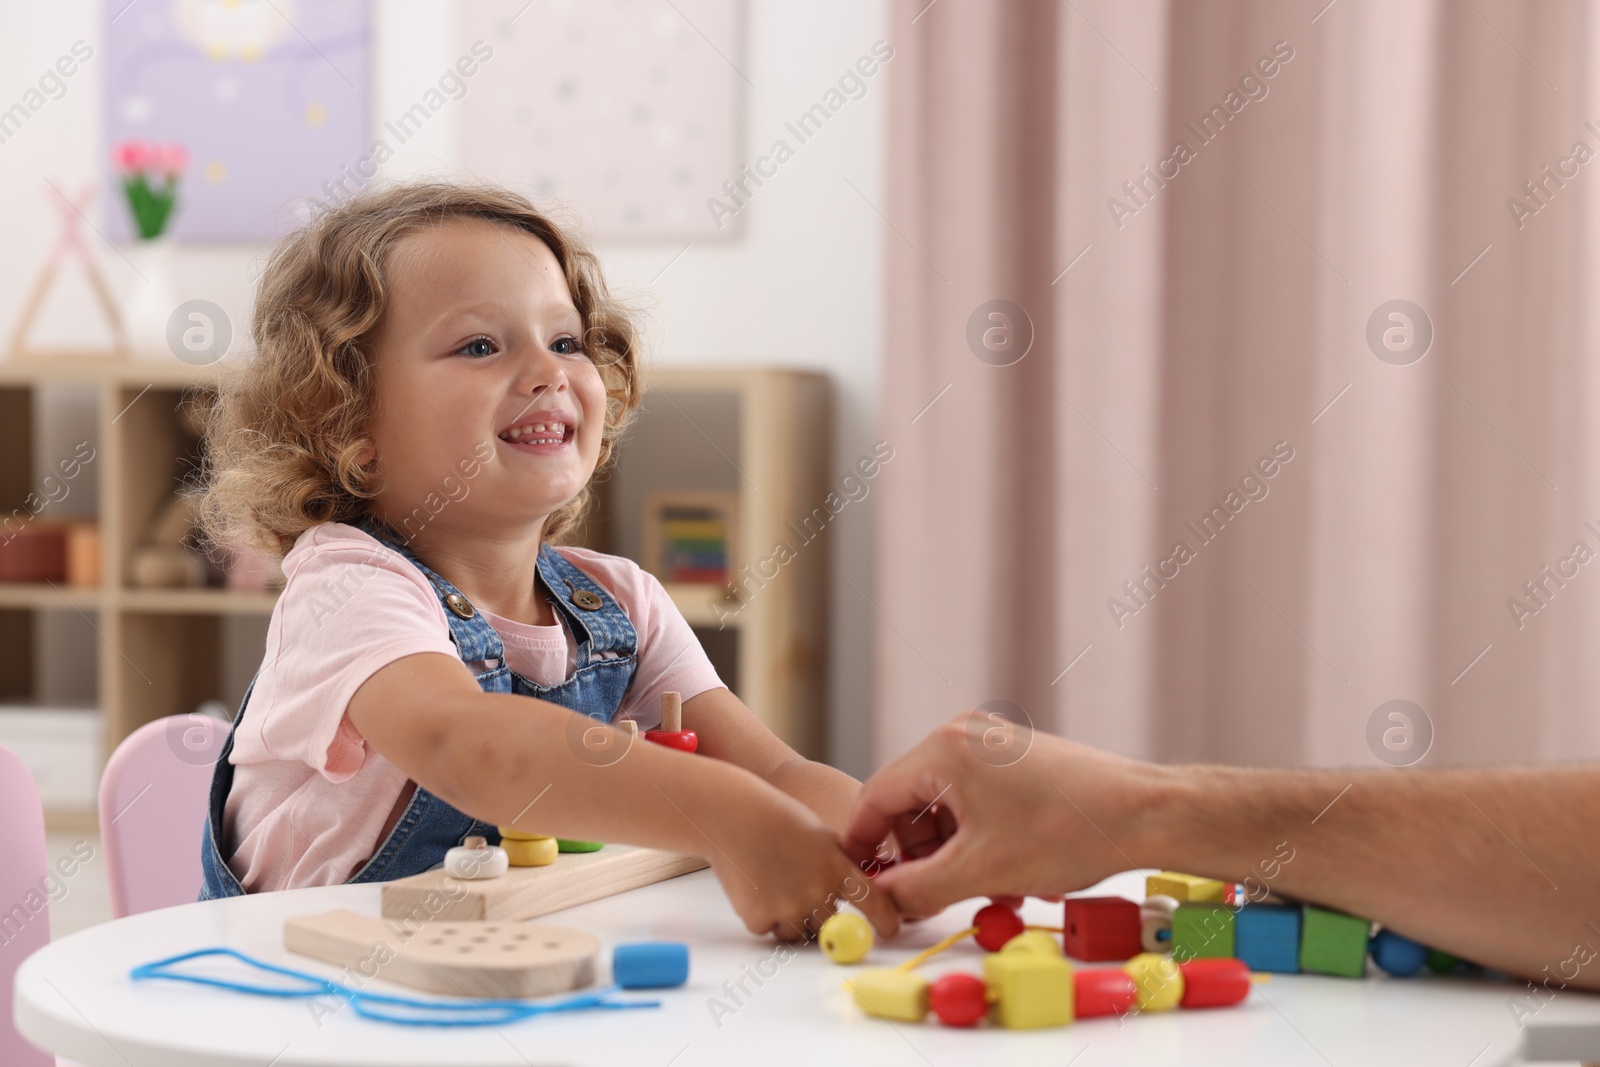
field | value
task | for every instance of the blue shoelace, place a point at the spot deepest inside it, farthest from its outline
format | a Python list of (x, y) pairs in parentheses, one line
[(407, 1011)]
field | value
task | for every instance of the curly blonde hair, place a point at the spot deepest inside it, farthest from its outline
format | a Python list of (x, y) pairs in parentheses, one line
[(284, 432)]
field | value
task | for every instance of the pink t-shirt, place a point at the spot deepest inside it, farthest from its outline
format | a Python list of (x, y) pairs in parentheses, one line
[(311, 801)]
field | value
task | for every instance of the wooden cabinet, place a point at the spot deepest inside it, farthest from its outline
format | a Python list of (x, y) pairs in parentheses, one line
[(762, 435)]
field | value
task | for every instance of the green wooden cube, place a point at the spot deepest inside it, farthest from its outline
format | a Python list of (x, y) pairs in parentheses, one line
[(1200, 931), (1333, 943)]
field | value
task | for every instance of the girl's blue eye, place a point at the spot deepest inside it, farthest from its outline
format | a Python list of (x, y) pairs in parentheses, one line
[(478, 347), (567, 346)]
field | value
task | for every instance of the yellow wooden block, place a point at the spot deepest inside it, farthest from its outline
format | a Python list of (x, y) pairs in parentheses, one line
[(1188, 888), (891, 994), (1157, 982), (509, 834), (540, 853), (1031, 988)]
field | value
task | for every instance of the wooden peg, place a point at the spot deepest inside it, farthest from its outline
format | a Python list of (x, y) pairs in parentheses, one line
[(671, 712)]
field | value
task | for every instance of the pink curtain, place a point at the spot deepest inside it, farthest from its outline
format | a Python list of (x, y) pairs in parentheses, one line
[(1218, 362)]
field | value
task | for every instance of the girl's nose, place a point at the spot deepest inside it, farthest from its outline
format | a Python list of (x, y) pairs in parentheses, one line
[(540, 371)]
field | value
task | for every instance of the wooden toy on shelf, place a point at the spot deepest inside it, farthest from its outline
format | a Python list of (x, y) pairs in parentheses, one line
[(672, 734)]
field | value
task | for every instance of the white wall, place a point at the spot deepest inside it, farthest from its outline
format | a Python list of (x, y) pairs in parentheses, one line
[(800, 287)]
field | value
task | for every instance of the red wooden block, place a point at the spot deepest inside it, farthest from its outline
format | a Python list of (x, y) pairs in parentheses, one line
[(1101, 928)]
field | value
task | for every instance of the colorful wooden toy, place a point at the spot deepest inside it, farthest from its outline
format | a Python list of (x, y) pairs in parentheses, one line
[(1032, 987), (1214, 983), (959, 999), (472, 959), (528, 892), (1202, 931), (650, 965), (891, 993), (997, 924), (846, 937), (1102, 991), (530, 852), (1155, 923), (1186, 888), (1333, 943), (565, 845), (1267, 937), (1396, 955), (1442, 962), (1100, 928), (475, 858), (672, 734), (1157, 982)]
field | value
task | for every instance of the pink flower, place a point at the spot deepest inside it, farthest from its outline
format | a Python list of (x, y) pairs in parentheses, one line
[(131, 157), (171, 158)]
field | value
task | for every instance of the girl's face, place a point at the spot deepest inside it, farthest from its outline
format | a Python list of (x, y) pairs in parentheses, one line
[(489, 413)]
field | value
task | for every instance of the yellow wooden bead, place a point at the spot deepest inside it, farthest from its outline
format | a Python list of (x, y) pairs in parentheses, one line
[(1034, 941), (890, 994), (1185, 888), (1157, 982), (1031, 988), (539, 853), (846, 937)]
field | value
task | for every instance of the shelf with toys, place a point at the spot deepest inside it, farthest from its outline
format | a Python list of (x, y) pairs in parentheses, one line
[(165, 634)]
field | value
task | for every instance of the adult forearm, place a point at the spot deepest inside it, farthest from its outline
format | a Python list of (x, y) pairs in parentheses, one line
[(1496, 866)]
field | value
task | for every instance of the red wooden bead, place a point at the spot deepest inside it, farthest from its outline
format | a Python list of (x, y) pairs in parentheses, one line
[(682, 740), (1106, 991), (996, 925), (1101, 928), (959, 999), (1214, 982)]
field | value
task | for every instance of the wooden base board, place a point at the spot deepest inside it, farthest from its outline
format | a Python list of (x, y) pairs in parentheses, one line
[(464, 959), (529, 892)]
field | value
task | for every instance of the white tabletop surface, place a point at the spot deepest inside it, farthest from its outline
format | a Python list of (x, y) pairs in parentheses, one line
[(75, 998)]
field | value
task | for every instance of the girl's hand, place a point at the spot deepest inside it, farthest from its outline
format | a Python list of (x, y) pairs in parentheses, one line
[(784, 871)]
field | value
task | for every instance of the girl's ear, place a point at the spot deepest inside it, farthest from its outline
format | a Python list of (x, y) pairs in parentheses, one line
[(365, 457)]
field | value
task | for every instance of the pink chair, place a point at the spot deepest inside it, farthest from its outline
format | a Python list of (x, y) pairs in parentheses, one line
[(23, 930), (153, 799)]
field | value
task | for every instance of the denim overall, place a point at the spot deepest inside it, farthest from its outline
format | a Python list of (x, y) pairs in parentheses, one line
[(429, 826)]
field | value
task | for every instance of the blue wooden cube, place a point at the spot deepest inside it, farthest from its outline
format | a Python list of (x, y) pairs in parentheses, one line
[(1267, 937)]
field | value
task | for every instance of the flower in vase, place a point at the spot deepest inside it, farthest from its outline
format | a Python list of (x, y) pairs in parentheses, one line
[(151, 202)]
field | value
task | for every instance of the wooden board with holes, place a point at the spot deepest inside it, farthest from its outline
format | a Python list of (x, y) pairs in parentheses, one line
[(468, 959), (529, 892)]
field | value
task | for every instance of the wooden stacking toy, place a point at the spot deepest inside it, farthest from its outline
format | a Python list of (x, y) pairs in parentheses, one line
[(672, 734)]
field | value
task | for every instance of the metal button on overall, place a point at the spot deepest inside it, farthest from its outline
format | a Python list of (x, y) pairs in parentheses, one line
[(460, 605)]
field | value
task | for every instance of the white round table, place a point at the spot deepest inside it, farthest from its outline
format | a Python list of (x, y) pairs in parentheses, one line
[(75, 999)]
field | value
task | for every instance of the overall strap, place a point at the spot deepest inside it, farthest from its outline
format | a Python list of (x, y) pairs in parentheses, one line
[(474, 638), (595, 617)]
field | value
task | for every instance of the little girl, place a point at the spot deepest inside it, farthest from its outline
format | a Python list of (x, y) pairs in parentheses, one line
[(440, 371)]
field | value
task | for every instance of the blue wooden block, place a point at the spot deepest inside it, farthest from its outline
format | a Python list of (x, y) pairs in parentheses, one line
[(1267, 937), (650, 965)]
